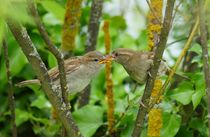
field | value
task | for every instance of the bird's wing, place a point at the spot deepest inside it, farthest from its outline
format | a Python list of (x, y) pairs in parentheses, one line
[(70, 64)]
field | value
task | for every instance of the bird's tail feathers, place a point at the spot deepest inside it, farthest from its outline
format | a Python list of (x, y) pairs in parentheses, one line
[(27, 82)]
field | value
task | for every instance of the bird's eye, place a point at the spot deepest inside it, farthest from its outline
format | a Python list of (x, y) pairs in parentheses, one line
[(116, 54), (96, 60)]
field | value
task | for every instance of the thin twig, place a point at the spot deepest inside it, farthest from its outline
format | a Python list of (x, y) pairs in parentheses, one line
[(10, 91), (40, 69), (52, 48), (121, 117), (154, 69), (184, 51), (182, 39), (176, 9), (204, 45)]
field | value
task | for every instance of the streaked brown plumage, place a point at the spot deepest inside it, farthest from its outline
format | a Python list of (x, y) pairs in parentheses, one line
[(79, 72), (136, 63)]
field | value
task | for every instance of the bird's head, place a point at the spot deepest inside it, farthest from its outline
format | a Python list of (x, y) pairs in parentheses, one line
[(93, 57), (120, 55)]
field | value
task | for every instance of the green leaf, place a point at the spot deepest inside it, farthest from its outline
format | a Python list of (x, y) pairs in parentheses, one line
[(41, 102), (183, 97), (127, 121), (200, 125), (21, 116), (196, 98), (52, 60), (19, 57), (98, 83), (118, 22), (119, 73), (17, 10), (184, 132), (54, 8), (196, 48), (183, 93), (89, 119), (171, 124), (50, 19), (2, 30)]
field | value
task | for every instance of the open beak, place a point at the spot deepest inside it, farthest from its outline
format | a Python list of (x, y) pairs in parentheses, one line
[(106, 59)]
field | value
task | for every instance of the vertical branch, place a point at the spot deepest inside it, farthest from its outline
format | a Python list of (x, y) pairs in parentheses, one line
[(93, 26), (154, 28), (109, 83), (154, 25), (154, 69), (204, 45), (52, 48), (39, 67), (71, 24), (92, 34), (10, 91)]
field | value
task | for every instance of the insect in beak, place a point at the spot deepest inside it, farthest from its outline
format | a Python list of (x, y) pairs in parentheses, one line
[(106, 59)]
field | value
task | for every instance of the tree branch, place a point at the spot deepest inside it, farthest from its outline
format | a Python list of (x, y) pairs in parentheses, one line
[(92, 34), (154, 69), (93, 26), (39, 67), (204, 45), (51, 47), (10, 91)]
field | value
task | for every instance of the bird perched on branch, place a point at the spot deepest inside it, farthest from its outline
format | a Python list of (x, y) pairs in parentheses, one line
[(136, 63), (79, 72)]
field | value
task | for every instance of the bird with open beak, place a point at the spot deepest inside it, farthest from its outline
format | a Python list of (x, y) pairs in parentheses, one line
[(136, 63)]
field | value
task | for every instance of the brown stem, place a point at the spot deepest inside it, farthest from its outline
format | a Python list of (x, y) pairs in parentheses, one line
[(154, 69), (92, 34), (93, 25), (52, 48), (10, 91), (40, 69), (85, 96), (204, 45)]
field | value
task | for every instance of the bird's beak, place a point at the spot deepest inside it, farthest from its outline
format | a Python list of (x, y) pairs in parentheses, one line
[(106, 59)]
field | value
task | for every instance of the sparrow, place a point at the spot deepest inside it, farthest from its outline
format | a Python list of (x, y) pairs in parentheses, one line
[(136, 63), (80, 71)]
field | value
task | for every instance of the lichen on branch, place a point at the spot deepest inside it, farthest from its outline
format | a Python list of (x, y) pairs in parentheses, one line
[(71, 24), (109, 82)]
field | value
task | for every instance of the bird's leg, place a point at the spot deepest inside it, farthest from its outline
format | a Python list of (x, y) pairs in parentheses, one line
[(142, 104), (149, 74), (135, 87)]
